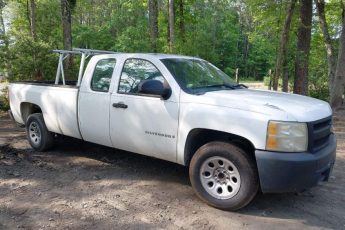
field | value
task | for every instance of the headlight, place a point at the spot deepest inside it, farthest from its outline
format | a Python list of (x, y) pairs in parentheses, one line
[(287, 136)]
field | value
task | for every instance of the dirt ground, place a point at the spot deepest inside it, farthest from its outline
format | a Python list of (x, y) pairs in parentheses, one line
[(80, 185)]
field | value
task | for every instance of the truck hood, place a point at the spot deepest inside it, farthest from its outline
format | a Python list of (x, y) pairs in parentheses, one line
[(278, 105)]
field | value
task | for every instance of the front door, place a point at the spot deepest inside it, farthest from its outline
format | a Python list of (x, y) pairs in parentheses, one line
[(140, 123)]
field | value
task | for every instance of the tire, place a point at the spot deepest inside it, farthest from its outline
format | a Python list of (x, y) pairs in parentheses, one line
[(231, 183), (37, 133)]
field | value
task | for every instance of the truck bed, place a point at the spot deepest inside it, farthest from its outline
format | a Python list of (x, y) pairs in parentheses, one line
[(58, 104), (47, 83)]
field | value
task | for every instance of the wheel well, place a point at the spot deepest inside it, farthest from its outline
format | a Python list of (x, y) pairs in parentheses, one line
[(26, 109), (198, 137)]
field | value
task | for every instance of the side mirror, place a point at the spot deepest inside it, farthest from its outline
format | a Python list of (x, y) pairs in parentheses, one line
[(154, 87)]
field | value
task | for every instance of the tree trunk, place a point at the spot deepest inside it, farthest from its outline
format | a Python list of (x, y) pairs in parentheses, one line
[(246, 54), (282, 52), (168, 26), (3, 27), (4, 38), (2, 22), (285, 87), (182, 22), (339, 80), (153, 23), (28, 14), (66, 24), (331, 61), (31, 14), (171, 25), (67, 31), (303, 48), (33, 19)]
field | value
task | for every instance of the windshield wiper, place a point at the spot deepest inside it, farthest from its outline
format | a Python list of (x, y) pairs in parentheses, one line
[(219, 85), (240, 85)]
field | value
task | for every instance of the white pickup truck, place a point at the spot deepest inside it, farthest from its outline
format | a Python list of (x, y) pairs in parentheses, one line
[(234, 140)]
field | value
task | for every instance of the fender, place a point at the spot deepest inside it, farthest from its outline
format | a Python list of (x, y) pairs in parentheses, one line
[(249, 125)]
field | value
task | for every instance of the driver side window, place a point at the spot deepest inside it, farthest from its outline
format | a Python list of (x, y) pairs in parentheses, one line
[(134, 71)]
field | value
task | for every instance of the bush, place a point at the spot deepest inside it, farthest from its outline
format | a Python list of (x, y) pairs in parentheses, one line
[(31, 60), (318, 85), (267, 80), (4, 102), (319, 91)]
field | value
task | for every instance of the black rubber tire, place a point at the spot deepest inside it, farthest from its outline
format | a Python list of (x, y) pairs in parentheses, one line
[(245, 165), (47, 138)]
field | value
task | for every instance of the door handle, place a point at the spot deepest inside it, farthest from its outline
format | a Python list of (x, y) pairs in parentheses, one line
[(120, 105)]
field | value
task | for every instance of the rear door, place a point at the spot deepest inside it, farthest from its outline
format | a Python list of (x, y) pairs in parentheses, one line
[(145, 124), (94, 100)]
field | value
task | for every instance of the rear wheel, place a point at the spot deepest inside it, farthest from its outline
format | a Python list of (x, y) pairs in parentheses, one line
[(223, 175), (38, 135)]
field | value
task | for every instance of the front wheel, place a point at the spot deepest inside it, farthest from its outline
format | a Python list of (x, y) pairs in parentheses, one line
[(38, 135), (223, 175)]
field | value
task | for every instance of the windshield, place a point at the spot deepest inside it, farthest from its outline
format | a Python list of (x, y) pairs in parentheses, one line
[(198, 76)]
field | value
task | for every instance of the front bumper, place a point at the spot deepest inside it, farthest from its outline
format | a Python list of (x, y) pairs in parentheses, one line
[(290, 172)]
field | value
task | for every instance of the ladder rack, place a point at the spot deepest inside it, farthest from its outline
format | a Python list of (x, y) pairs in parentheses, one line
[(85, 53)]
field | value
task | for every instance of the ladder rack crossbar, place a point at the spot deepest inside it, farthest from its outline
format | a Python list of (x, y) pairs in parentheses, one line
[(85, 53)]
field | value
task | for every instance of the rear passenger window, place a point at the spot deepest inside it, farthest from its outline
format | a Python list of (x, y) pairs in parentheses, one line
[(101, 77)]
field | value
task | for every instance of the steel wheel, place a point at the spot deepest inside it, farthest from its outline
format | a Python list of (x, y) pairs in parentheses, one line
[(35, 132), (223, 175), (220, 177)]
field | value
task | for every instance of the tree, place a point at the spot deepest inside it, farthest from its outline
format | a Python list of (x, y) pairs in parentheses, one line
[(303, 48), (182, 26), (337, 91), (3, 41), (281, 64), (171, 25), (3, 38), (66, 8), (244, 34), (32, 20), (2, 22), (331, 59), (153, 23), (66, 12), (31, 8)]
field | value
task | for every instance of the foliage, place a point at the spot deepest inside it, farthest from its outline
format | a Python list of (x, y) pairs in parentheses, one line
[(318, 78), (4, 102), (231, 34), (24, 65)]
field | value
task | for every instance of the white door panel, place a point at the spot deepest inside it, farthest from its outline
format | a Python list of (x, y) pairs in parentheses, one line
[(147, 126), (143, 124), (94, 117), (94, 100)]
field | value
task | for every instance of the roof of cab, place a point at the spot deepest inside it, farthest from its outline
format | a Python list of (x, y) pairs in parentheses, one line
[(150, 55)]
